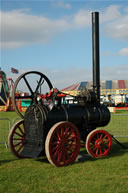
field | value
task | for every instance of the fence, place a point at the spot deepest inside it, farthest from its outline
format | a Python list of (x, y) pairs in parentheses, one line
[(118, 127), (5, 125)]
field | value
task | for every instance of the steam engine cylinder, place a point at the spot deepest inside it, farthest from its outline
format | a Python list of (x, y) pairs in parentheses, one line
[(84, 117)]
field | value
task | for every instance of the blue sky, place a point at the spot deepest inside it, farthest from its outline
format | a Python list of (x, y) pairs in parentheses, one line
[(54, 37)]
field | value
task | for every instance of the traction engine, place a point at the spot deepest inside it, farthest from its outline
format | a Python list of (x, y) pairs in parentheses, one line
[(52, 125)]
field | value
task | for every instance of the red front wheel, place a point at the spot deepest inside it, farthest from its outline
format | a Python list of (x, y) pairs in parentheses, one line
[(98, 143), (62, 144)]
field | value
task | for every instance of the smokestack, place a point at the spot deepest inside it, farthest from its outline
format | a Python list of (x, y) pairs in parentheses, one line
[(95, 54)]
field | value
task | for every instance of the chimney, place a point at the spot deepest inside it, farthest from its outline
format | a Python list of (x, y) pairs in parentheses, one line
[(96, 55)]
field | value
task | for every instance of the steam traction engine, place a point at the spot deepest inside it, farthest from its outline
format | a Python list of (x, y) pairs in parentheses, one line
[(55, 127)]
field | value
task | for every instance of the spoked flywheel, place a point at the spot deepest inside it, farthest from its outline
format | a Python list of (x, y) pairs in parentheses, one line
[(16, 138), (62, 144), (98, 143), (28, 88)]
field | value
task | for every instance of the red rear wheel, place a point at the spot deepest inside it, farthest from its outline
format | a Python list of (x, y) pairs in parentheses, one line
[(16, 138), (62, 144), (99, 143)]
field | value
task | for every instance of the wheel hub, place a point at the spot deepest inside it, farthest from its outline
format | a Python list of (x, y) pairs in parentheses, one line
[(99, 143), (63, 144)]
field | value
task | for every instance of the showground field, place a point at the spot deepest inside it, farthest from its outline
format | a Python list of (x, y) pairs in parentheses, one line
[(86, 175)]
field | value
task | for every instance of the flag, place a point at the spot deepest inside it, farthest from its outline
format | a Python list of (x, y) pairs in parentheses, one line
[(13, 70)]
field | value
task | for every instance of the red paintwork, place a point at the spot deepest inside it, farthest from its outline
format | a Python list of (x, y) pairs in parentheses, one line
[(64, 144), (121, 84), (99, 143), (51, 93)]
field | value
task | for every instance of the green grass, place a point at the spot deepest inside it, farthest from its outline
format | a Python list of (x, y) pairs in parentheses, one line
[(89, 175), (9, 114), (108, 175)]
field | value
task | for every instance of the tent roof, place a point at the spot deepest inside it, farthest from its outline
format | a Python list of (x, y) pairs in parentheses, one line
[(105, 84)]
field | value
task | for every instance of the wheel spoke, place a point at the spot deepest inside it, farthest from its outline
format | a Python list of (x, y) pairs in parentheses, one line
[(107, 145), (55, 139), (101, 151), (71, 146), (104, 149), (19, 148), (70, 140), (98, 136), (56, 152), (18, 134), (58, 135), (94, 149), (54, 148), (21, 130), (16, 139), (59, 156), (62, 132), (68, 154), (28, 85), (69, 149), (57, 142), (21, 142), (97, 151), (63, 156), (66, 131), (101, 135), (105, 137), (92, 146), (68, 134), (106, 141), (39, 83)]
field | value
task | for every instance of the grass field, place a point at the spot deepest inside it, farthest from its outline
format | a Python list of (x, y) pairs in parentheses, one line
[(88, 175)]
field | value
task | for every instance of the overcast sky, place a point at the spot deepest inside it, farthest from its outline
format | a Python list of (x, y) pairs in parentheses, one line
[(54, 37)]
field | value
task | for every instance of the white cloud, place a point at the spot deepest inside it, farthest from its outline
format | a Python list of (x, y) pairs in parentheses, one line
[(115, 72), (82, 18), (126, 9), (118, 28), (20, 28), (110, 53), (110, 13), (70, 76), (124, 52), (63, 5)]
